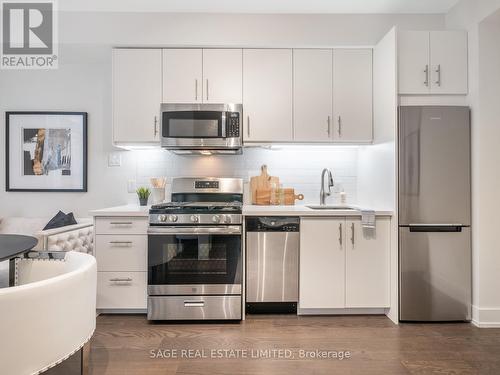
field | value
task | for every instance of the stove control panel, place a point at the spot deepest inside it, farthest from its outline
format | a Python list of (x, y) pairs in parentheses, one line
[(194, 219), (206, 184)]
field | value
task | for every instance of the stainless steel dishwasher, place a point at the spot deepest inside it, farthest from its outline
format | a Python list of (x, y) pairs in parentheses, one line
[(272, 264)]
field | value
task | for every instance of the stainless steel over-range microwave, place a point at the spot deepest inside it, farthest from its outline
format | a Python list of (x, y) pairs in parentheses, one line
[(202, 128)]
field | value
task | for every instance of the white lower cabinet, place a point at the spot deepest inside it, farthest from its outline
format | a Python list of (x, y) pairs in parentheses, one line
[(367, 264), (343, 265), (322, 260), (122, 290), (121, 254)]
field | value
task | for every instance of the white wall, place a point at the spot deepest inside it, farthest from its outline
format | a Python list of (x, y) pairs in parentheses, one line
[(488, 185), (484, 73), (261, 30), (83, 83), (377, 164)]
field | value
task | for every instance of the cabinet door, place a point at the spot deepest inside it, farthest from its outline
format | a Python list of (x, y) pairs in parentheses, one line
[(222, 76), (322, 262), (367, 264), (136, 95), (312, 95), (413, 55), (448, 62), (267, 95), (182, 75), (352, 95)]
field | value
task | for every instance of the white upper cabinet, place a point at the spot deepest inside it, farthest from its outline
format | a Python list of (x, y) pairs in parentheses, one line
[(267, 95), (353, 95), (136, 95), (202, 76), (182, 75), (222, 76), (414, 69), (433, 62), (448, 62), (367, 264), (312, 95)]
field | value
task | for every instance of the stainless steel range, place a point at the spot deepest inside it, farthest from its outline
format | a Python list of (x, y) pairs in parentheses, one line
[(195, 251)]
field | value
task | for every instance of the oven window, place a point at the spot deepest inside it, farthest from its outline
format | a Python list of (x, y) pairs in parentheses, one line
[(194, 259), (192, 124)]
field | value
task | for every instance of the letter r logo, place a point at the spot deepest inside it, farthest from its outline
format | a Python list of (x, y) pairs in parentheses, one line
[(27, 28)]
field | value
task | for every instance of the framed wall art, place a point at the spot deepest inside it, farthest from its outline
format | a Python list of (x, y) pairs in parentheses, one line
[(46, 151)]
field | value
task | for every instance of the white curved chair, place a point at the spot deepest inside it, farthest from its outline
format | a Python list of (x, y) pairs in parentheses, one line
[(50, 316)]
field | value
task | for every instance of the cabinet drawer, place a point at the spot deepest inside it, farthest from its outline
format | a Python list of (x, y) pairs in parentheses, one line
[(121, 225), (121, 290), (194, 307), (121, 252)]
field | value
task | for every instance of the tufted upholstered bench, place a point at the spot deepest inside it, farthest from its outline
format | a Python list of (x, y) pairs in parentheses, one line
[(78, 237)]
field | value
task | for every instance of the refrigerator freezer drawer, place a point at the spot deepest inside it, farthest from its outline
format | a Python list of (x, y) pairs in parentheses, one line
[(435, 274)]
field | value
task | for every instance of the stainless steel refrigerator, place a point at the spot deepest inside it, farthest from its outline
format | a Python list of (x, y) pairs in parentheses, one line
[(434, 214)]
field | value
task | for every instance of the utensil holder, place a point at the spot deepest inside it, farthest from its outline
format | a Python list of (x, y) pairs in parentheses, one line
[(158, 195)]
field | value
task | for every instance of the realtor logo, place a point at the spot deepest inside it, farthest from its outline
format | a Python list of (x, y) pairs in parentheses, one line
[(29, 35)]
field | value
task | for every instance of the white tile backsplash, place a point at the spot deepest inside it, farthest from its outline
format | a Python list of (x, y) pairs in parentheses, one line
[(297, 167)]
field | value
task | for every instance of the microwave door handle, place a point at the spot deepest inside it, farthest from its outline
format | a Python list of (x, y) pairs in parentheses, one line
[(223, 120)]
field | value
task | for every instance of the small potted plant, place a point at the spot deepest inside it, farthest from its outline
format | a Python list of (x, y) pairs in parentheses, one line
[(143, 193)]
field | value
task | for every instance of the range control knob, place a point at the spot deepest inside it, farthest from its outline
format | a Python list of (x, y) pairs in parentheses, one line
[(172, 218), (162, 218), (195, 218), (216, 219), (227, 219)]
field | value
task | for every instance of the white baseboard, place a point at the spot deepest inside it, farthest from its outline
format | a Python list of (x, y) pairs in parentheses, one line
[(369, 311), (122, 311), (486, 317)]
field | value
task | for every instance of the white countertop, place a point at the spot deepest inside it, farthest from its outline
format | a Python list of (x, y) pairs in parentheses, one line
[(127, 210), (302, 210), (248, 210)]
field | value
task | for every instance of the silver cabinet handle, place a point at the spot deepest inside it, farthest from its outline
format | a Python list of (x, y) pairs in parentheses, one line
[(352, 233), (156, 126), (248, 126), (328, 126), (438, 71), (121, 223), (194, 303), (207, 89), (120, 242), (426, 71), (121, 280), (195, 89), (340, 126), (340, 234)]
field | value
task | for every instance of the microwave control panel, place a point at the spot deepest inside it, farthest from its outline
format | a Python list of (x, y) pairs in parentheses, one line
[(232, 124)]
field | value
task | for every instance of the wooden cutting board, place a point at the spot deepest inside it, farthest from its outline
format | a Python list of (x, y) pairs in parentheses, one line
[(263, 197), (263, 182), (291, 197)]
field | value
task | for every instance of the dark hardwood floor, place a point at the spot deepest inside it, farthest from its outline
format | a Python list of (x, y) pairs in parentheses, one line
[(122, 344)]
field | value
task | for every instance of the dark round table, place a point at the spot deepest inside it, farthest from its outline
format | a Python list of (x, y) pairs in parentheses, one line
[(13, 246)]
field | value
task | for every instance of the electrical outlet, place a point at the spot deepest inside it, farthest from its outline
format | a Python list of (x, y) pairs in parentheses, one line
[(114, 159), (131, 186)]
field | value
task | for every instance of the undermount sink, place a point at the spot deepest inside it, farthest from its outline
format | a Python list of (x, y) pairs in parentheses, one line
[(331, 207)]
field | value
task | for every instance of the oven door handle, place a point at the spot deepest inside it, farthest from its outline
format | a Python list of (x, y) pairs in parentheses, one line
[(229, 229)]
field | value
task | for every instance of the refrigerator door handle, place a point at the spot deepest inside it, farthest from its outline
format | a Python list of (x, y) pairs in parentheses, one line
[(436, 228)]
